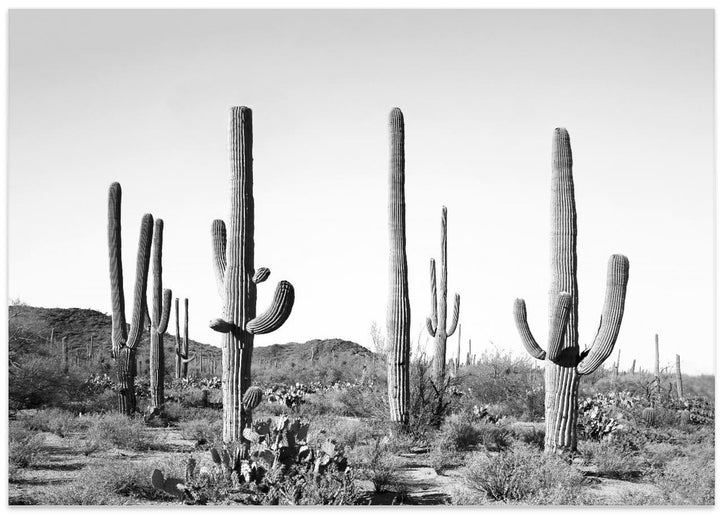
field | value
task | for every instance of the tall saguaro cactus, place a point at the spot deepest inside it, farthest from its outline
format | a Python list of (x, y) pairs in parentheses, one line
[(564, 363), (437, 322), (678, 378), (125, 343), (234, 252), (181, 346), (398, 308), (159, 319)]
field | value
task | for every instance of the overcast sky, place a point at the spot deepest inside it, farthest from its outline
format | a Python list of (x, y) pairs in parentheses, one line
[(143, 98)]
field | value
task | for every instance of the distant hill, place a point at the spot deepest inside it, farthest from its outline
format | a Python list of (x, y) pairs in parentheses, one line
[(35, 326)]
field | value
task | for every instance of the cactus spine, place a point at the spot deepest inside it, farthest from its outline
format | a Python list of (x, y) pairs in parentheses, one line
[(125, 343), (678, 378), (564, 363), (398, 309), (437, 322), (236, 281), (159, 321)]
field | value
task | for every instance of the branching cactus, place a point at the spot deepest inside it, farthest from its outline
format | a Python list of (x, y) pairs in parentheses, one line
[(398, 309), (564, 363), (437, 322), (159, 319), (124, 342), (181, 346), (236, 276)]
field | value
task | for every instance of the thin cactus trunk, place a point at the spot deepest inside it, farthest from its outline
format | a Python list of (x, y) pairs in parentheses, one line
[(178, 347), (657, 361), (52, 338), (564, 364), (124, 343), (437, 322), (90, 349), (457, 361), (632, 368), (398, 309), (236, 279), (65, 355), (678, 378), (469, 353), (159, 322), (186, 341)]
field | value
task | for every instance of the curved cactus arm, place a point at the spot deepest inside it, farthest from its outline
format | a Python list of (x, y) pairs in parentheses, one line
[(526, 336), (430, 327), (433, 295), (277, 313), (560, 317), (219, 242), (220, 325), (602, 347), (167, 301), (188, 360), (456, 316), (141, 281), (119, 325), (261, 275)]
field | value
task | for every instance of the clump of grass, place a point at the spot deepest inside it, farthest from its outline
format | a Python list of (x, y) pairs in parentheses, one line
[(119, 431), (25, 447), (54, 420), (612, 461), (523, 475), (201, 430), (688, 480), (119, 482), (459, 433), (376, 463)]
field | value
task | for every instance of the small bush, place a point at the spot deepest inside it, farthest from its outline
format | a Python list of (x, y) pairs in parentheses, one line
[(523, 474), (458, 434), (119, 431), (611, 460), (202, 431), (54, 420), (113, 483), (376, 464), (25, 446), (688, 480)]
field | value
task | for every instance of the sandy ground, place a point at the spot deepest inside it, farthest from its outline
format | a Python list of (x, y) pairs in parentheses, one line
[(62, 465)]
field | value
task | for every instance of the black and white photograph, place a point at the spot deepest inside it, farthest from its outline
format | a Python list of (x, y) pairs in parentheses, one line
[(361, 257)]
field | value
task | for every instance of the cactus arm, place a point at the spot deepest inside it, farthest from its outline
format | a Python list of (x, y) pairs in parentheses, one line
[(602, 347), (277, 313), (261, 275), (188, 360), (432, 320), (141, 280), (526, 336), (456, 316), (220, 325), (119, 325), (219, 242), (157, 272), (167, 301), (431, 329), (558, 325)]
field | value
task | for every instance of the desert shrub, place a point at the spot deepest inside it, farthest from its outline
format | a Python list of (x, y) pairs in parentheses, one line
[(25, 446), (602, 415), (54, 420), (657, 455), (612, 461), (39, 381), (443, 459), (458, 433), (688, 480), (523, 474), (115, 430), (202, 431), (375, 463), (118, 482), (528, 433)]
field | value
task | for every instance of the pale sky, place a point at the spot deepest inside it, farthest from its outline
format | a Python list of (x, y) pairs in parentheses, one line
[(143, 98)]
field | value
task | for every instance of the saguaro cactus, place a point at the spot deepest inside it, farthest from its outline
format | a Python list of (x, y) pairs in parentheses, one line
[(564, 363), (457, 361), (181, 346), (398, 308), (678, 378), (65, 355), (159, 321), (437, 322), (124, 343), (236, 276)]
